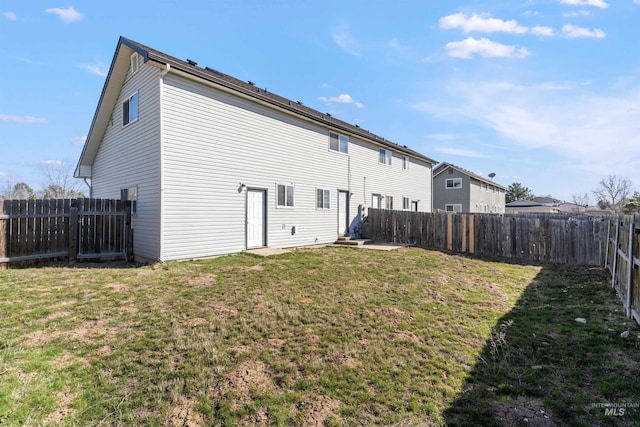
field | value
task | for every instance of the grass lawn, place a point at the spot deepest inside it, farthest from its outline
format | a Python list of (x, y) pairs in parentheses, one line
[(323, 336)]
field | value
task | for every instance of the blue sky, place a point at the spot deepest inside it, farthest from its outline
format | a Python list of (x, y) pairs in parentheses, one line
[(546, 93)]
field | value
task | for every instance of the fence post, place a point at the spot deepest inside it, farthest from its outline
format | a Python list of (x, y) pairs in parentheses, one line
[(74, 218), (4, 222), (615, 255), (627, 303), (129, 230), (606, 253)]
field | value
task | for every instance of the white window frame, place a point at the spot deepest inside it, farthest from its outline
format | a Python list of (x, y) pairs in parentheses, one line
[(406, 204), (289, 193), (129, 118), (342, 142), (453, 186), (385, 156), (388, 202), (373, 198), (453, 207), (405, 163), (323, 198)]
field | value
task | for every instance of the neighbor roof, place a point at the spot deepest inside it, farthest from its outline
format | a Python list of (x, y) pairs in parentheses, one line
[(117, 74), (444, 166)]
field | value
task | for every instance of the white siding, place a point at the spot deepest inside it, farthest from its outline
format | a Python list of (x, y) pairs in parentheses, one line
[(213, 141), (130, 155)]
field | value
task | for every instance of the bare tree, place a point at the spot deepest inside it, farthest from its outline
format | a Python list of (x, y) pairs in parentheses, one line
[(613, 192), (59, 182), (580, 199)]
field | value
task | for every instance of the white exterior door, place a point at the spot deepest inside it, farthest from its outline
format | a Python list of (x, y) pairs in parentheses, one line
[(256, 213), (343, 213)]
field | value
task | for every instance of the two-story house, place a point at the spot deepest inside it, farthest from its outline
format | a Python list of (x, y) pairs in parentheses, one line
[(458, 190), (216, 165)]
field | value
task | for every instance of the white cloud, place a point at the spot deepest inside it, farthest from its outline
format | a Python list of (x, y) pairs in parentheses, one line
[(483, 23), (531, 13), (10, 16), (540, 30), (52, 163), (595, 3), (343, 38), (79, 140), (575, 14), (67, 15), (442, 137), (98, 70), (574, 31), (467, 48), (343, 98), (461, 152), (22, 119), (597, 133)]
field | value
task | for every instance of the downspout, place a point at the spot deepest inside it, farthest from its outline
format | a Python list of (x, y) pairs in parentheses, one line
[(167, 68), (88, 185)]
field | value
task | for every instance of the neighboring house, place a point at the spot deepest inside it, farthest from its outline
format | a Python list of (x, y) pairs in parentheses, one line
[(547, 201), (458, 190), (571, 208), (216, 165), (528, 206)]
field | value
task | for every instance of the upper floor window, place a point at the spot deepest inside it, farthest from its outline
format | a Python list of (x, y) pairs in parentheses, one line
[(384, 156), (323, 198), (284, 195), (130, 109), (338, 143), (405, 162), (453, 183)]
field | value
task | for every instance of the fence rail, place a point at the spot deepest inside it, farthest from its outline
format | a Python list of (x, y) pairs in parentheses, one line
[(72, 229)]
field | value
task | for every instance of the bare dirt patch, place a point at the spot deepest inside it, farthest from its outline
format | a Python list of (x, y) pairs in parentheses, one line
[(320, 409), (67, 360), (55, 315), (259, 419), (250, 377), (198, 321), (203, 281), (184, 414), (394, 315), (64, 410), (343, 360), (222, 311), (521, 411), (405, 336)]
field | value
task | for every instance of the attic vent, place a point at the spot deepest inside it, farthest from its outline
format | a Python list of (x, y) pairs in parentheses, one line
[(190, 62), (251, 83), (135, 62), (450, 171)]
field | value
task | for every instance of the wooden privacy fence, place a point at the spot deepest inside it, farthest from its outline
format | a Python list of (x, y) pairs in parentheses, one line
[(577, 240), (623, 261), (73, 229)]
